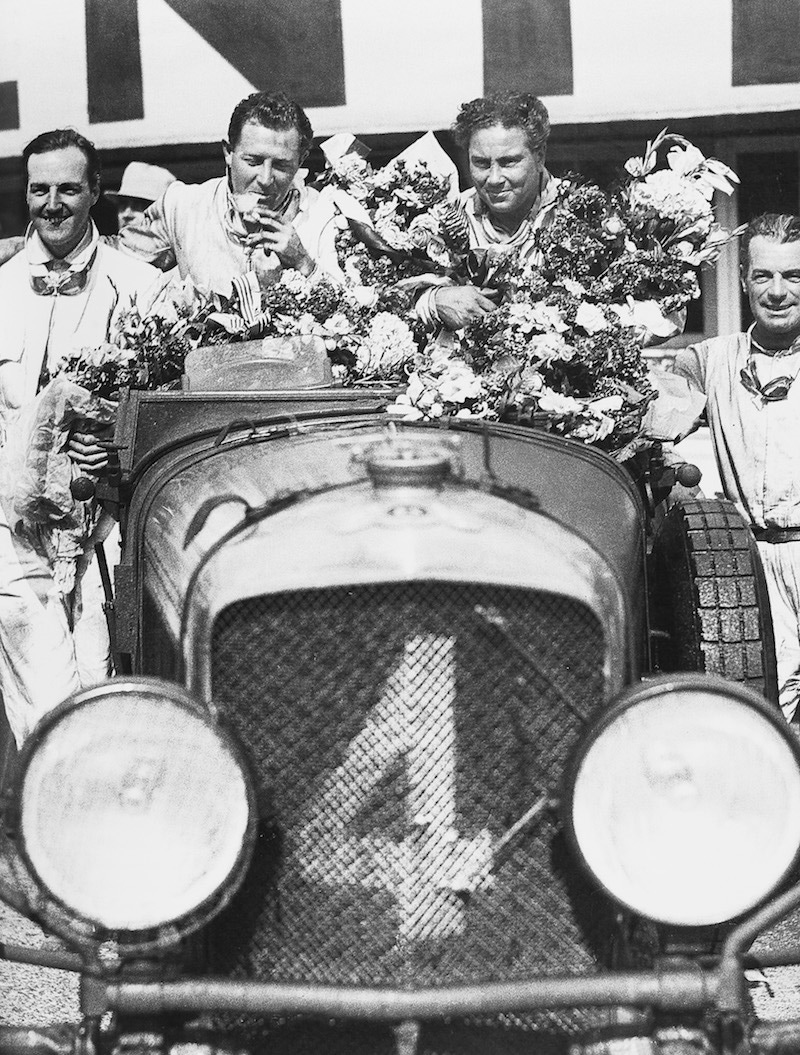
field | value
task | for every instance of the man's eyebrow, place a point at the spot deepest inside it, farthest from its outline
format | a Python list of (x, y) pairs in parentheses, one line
[(35, 185), (501, 160)]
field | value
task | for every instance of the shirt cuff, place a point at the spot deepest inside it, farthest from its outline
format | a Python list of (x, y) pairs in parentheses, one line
[(425, 307)]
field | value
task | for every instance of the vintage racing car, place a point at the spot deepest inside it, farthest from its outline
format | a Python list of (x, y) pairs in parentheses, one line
[(436, 738)]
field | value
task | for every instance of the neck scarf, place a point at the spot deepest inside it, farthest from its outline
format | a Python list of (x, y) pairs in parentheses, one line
[(50, 277)]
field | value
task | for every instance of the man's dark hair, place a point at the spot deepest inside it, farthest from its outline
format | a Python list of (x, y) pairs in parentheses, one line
[(509, 109), (272, 110), (780, 227), (60, 139)]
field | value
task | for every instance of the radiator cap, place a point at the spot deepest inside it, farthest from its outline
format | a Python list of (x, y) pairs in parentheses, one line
[(406, 462)]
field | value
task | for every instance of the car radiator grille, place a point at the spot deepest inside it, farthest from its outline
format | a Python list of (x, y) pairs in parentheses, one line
[(408, 741)]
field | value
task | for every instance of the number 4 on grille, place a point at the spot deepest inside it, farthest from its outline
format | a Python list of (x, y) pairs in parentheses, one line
[(413, 722)]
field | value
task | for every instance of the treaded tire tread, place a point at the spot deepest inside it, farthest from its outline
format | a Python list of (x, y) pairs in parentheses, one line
[(708, 594)]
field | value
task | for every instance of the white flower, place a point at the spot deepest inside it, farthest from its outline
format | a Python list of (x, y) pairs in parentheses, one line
[(338, 323), (531, 381), (645, 315), (295, 282), (685, 250), (402, 408), (685, 160), (606, 405), (720, 176), (391, 231), (571, 286), (527, 317), (387, 345), (364, 296), (354, 173), (546, 348), (590, 317), (422, 228), (168, 311), (670, 196), (554, 403), (640, 166), (459, 384), (306, 325), (521, 317), (415, 387), (593, 429), (613, 226), (548, 317)]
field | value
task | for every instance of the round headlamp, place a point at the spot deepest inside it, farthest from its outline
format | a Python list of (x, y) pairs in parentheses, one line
[(683, 800), (136, 810)]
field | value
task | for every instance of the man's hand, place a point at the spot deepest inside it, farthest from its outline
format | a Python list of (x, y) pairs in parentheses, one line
[(458, 306), (278, 236), (89, 455)]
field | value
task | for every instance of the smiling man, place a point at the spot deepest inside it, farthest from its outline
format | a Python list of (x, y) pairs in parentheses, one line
[(505, 139), (753, 405), (257, 219), (66, 289), (63, 292)]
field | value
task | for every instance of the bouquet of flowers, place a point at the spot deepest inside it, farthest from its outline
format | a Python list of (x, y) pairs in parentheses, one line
[(369, 332), (395, 219), (670, 208), (149, 347), (547, 356), (609, 272)]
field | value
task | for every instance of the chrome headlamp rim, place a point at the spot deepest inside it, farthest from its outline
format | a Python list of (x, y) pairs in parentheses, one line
[(134, 942), (659, 686)]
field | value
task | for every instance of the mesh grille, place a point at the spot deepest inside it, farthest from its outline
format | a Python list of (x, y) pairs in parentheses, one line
[(401, 735)]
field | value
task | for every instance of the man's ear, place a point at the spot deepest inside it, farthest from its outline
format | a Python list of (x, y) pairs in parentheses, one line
[(226, 151)]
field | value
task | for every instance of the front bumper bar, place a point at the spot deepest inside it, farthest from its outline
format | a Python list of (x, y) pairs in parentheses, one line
[(694, 989)]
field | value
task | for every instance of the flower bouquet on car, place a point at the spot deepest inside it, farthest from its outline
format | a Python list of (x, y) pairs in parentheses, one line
[(611, 272)]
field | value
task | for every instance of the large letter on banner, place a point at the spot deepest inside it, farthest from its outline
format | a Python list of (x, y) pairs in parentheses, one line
[(765, 42), (293, 45), (527, 46), (113, 61), (9, 106)]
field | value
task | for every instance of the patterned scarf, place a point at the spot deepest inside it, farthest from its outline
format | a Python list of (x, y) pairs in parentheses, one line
[(66, 278)]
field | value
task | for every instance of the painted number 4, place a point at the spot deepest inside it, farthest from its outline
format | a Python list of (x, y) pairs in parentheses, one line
[(426, 871)]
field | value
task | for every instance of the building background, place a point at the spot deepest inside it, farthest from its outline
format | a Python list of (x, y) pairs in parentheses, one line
[(156, 80)]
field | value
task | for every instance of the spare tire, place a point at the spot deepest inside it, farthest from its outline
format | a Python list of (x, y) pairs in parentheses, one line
[(709, 608)]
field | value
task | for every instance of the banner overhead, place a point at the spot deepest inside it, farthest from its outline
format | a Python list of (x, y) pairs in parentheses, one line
[(149, 72)]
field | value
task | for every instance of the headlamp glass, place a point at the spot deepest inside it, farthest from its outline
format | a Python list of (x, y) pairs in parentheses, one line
[(685, 801), (134, 808)]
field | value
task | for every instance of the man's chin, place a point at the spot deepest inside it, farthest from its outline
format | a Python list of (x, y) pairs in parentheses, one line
[(777, 325), (59, 239)]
